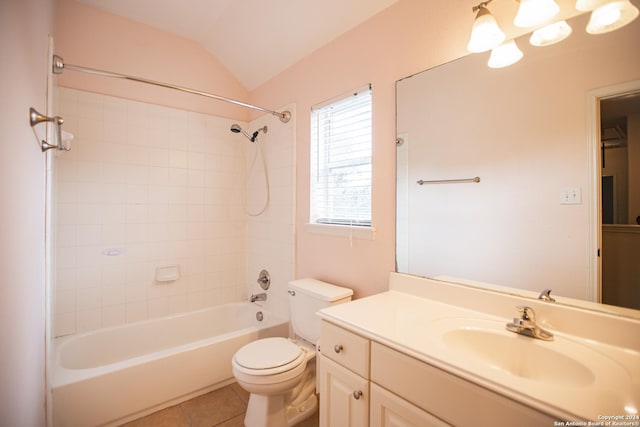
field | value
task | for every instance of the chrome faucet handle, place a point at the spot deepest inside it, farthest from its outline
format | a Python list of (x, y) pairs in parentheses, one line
[(526, 313), (545, 295)]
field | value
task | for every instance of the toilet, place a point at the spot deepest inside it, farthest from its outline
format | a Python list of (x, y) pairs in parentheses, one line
[(280, 373)]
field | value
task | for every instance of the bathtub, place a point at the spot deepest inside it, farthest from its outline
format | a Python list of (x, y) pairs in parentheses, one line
[(114, 375)]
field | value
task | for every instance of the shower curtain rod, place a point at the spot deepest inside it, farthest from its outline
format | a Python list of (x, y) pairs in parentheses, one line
[(59, 65)]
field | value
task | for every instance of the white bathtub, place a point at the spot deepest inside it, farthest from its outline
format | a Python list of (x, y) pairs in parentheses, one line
[(114, 375)]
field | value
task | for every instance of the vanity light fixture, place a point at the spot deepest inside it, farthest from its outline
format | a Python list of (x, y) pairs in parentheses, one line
[(485, 32), (550, 34), (532, 13), (611, 16), (504, 55), (606, 16)]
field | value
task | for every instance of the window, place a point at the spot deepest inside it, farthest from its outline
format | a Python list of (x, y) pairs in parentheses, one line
[(341, 160)]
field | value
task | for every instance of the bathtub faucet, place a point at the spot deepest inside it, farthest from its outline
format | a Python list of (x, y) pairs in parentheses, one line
[(258, 297)]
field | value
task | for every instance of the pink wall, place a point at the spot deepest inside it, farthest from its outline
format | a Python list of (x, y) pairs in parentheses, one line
[(408, 37), (90, 37), (25, 25)]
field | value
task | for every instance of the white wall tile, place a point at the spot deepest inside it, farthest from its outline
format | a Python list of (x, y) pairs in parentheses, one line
[(89, 298), (113, 315), (89, 171), (195, 178), (65, 301), (109, 152), (178, 177), (65, 279), (88, 320), (159, 194), (88, 213), (158, 157), (178, 159), (114, 275), (113, 214), (137, 174), (137, 193), (88, 235), (195, 161), (137, 213), (114, 173), (64, 324), (159, 175), (113, 295), (136, 311), (162, 185), (159, 307), (89, 256)]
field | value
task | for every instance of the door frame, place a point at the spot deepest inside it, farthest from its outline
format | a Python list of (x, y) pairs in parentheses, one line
[(594, 185)]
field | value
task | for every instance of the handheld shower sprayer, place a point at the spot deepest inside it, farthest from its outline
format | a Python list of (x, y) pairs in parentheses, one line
[(235, 128)]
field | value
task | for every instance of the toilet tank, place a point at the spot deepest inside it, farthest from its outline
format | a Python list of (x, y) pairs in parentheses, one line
[(306, 297)]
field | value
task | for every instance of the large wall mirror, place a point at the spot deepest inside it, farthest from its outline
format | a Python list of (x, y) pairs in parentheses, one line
[(533, 220)]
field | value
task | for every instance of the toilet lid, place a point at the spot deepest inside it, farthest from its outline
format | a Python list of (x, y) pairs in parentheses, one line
[(267, 353)]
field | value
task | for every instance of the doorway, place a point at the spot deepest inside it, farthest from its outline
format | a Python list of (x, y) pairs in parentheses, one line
[(616, 145)]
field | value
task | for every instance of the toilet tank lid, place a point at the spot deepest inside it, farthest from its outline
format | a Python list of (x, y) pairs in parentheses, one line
[(319, 289)]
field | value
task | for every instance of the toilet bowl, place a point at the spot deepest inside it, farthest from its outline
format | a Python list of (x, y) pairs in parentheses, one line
[(280, 373)]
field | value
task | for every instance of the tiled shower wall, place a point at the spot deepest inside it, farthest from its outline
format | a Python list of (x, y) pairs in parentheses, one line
[(271, 234), (145, 186)]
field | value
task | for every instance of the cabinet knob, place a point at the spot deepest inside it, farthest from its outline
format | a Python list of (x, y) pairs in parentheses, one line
[(337, 348), (357, 394)]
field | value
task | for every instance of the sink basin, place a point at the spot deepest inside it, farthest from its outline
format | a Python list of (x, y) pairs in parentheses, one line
[(515, 356), (480, 344)]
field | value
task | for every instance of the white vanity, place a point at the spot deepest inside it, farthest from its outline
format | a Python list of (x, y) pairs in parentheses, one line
[(430, 353)]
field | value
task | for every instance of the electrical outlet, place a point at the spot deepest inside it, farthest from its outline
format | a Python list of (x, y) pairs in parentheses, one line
[(570, 196)]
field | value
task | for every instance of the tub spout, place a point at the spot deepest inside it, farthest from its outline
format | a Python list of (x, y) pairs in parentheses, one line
[(258, 297)]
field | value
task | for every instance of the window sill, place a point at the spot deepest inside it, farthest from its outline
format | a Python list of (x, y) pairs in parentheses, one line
[(362, 233)]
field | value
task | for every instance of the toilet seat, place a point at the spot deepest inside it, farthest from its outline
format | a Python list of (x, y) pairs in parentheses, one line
[(268, 356)]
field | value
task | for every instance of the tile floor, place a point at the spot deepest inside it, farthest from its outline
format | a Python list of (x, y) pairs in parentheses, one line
[(224, 407)]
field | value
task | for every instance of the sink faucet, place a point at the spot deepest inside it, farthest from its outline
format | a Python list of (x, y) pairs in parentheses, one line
[(526, 325), (258, 297)]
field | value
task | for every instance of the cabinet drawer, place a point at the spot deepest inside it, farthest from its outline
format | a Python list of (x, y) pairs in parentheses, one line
[(346, 348), (448, 397)]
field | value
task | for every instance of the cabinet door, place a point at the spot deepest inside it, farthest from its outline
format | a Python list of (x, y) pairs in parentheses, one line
[(389, 410), (344, 396)]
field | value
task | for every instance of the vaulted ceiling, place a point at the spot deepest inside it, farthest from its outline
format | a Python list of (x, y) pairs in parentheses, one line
[(254, 39)]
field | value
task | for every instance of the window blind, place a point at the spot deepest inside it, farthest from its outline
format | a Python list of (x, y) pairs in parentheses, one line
[(341, 160)]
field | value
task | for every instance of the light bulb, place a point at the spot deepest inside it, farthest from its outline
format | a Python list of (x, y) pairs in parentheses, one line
[(532, 13), (485, 32), (504, 55), (611, 16), (589, 5), (550, 34)]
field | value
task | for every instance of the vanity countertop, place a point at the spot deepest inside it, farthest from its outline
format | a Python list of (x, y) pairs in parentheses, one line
[(415, 325)]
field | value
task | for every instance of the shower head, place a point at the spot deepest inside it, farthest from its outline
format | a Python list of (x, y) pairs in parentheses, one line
[(235, 128)]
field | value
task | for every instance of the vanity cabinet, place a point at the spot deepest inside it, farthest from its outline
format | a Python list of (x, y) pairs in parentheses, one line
[(390, 410), (365, 383)]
